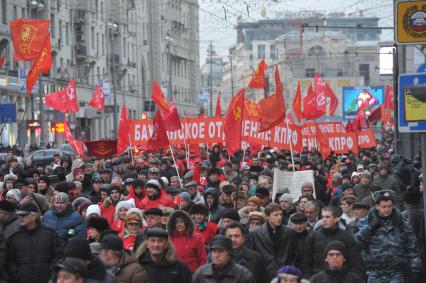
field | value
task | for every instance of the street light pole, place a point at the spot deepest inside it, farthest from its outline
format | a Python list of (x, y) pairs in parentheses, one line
[(112, 26)]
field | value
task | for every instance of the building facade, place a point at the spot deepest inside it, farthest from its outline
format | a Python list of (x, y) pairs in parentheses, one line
[(124, 45)]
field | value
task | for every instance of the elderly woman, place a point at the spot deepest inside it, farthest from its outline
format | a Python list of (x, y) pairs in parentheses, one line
[(189, 245), (120, 214), (132, 228)]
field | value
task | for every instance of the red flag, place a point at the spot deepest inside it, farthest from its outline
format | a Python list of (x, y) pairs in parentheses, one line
[(171, 118), (375, 115), (323, 146), (101, 148), (218, 113), (314, 106), (2, 59), (297, 104), (77, 145), (42, 64), (233, 123), (123, 141), (389, 103), (258, 79), (251, 110), (158, 97), (28, 37), (273, 107), (322, 89), (349, 127), (63, 100), (98, 99), (359, 122), (159, 139)]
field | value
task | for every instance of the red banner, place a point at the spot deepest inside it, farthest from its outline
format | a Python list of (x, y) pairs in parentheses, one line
[(101, 148), (210, 130)]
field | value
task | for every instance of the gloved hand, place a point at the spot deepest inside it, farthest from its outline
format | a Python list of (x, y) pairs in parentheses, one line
[(374, 224)]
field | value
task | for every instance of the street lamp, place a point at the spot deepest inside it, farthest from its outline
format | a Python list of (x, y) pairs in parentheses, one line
[(169, 41), (112, 31)]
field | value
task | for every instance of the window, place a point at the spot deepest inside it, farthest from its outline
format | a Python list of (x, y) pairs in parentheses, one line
[(97, 45), (272, 51), (92, 37), (3, 12), (52, 25), (96, 8), (364, 70), (60, 29), (102, 10), (261, 51), (124, 48), (310, 72), (98, 73), (67, 33), (15, 13), (103, 44), (23, 13)]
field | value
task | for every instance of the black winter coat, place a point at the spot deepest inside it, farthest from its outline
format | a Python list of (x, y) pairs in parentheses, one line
[(233, 273), (335, 276), (416, 216), (316, 242), (253, 261), (7, 229), (275, 254), (300, 248), (169, 269), (32, 254)]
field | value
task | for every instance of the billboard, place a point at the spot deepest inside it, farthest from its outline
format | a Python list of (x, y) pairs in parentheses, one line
[(353, 97)]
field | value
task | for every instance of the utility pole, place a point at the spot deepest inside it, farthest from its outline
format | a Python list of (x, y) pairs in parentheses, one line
[(232, 75), (211, 78)]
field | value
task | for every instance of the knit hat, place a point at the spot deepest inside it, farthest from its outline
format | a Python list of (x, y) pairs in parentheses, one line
[(10, 177), (337, 175), (97, 222), (62, 197), (95, 248), (232, 214), (286, 198), (78, 248), (135, 210), (15, 193), (289, 269), (336, 245), (262, 191), (44, 179), (354, 174), (7, 206), (256, 215), (93, 209), (153, 184), (122, 204), (76, 203), (223, 243), (112, 242), (346, 186), (185, 196), (77, 171), (256, 200)]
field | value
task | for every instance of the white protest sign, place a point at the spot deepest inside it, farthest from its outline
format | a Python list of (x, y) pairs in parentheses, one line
[(291, 182)]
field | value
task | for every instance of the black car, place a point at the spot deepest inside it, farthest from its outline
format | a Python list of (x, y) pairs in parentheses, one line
[(45, 156)]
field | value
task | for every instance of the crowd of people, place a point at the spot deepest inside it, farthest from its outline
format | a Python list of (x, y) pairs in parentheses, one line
[(209, 217)]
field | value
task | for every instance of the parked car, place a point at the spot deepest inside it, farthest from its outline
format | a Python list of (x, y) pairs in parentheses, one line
[(68, 148), (45, 156)]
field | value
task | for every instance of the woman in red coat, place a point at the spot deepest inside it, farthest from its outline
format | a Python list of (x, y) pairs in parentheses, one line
[(206, 228), (189, 245)]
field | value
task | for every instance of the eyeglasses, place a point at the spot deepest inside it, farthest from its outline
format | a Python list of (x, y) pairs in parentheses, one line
[(334, 254)]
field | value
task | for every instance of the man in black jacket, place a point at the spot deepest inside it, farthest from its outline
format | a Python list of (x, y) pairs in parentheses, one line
[(313, 260), (276, 243), (299, 222), (32, 250), (250, 259), (336, 269), (158, 256), (9, 224)]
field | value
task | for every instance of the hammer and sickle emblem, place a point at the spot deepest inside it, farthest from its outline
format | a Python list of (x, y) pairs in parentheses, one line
[(27, 36), (321, 100), (70, 93), (237, 113)]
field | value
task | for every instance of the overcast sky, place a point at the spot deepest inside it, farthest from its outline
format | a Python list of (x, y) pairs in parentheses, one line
[(218, 17)]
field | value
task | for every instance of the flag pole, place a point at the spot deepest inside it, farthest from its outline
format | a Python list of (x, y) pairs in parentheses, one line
[(291, 146), (130, 151), (177, 168)]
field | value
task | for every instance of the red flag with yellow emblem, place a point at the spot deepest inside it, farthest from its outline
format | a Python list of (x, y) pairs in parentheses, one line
[(28, 37), (233, 123), (42, 64), (251, 110), (158, 97), (258, 79)]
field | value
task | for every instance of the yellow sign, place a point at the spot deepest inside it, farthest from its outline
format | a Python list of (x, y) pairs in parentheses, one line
[(411, 22), (415, 110)]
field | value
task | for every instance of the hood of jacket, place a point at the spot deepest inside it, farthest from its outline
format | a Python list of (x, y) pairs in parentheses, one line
[(171, 225), (169, 255), (215, 193)]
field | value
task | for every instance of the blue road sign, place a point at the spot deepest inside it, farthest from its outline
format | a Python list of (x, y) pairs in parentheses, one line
[(404, 81)]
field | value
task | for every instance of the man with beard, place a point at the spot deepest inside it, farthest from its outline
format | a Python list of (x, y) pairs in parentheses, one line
[(67, 222)]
